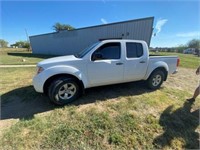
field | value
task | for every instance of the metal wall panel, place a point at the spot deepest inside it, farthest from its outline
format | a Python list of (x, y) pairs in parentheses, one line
[(71, 42)]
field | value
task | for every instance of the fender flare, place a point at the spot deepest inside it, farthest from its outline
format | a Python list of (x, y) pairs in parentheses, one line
[(64, 70), (156, 65)]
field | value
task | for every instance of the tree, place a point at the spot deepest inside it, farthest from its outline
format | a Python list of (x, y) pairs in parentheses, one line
[(22, 44), (59, 27), (3, 43), (180, 48), (195, 43), (27, 45)]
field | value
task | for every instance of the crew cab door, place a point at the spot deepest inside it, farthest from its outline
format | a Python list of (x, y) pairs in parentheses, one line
[(136, 61), (106, 66)]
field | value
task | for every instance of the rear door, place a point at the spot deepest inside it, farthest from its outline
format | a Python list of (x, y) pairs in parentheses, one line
[(136, 61)]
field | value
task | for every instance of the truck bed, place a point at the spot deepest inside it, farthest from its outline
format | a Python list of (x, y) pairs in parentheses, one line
[(170, 60)]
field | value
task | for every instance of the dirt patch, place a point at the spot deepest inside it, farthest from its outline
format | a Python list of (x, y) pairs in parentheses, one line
[(6, 124), (185, 79)]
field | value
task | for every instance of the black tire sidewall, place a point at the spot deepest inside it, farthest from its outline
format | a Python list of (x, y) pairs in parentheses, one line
[(55, 86), (150, 80)]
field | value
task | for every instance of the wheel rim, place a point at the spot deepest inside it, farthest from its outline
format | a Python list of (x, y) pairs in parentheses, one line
[(156, 80), (67, 91)]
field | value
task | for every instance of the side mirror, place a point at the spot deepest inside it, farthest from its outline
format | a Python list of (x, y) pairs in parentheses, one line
[(97, 56)]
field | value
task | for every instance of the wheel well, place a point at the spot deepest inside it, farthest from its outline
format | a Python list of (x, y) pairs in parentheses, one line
[(162, 69), (49, 81)]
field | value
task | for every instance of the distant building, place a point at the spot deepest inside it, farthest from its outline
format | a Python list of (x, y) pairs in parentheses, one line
[(73, 41)]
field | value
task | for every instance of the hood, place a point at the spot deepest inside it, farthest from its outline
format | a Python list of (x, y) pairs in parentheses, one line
[(57, 60)]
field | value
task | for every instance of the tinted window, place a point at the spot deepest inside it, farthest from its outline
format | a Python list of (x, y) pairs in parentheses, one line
[(109, 51), (134, 50)]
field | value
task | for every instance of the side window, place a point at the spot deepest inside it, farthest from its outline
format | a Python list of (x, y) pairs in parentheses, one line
[(134, 50), (107, 51)]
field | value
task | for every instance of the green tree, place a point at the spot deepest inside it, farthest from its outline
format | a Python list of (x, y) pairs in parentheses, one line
[(27, 45), (195, 43), (180, 48), (22, 44), (59, 27), (3, 43)]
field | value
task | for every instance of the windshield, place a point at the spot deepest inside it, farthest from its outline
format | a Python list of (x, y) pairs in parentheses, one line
[(86, 50)]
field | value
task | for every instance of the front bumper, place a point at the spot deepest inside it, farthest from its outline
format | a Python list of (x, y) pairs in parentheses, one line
[(38, 83)]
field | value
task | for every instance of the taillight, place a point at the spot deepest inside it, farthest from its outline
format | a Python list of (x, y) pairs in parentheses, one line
[(178, 62)]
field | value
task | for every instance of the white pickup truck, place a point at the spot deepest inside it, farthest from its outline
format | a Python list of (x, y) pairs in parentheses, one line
[(64, 78)]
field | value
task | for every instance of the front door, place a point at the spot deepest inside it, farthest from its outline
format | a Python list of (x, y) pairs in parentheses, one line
[(106, 66)]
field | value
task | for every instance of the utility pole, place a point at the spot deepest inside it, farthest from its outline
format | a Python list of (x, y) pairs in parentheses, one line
[(28, 40)]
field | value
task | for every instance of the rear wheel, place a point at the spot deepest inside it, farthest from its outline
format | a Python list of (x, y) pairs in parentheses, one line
[(63, 91), (156, 79)]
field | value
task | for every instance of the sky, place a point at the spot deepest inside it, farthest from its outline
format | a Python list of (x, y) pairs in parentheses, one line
[(175, 21)]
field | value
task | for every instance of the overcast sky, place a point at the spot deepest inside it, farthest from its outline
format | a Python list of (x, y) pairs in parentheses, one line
[(176, 22)]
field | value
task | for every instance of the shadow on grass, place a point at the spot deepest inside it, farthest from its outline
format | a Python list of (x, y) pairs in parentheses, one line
[(30, 55), (104, 93), (180, 123), (24, 102)]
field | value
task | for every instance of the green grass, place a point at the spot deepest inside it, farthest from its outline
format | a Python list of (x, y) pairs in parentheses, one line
[(13, 78), (125, 116), (13, 56), (186, 60), (128, 122)]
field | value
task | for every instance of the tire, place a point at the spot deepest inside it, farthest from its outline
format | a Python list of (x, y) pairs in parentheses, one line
[(156, 79), (63, 91)]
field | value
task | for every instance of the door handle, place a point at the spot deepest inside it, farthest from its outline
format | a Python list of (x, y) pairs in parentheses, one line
[(142, 62), (119, 63)]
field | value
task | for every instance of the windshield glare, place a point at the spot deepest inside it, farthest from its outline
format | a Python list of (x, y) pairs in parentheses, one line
[(86, 50)]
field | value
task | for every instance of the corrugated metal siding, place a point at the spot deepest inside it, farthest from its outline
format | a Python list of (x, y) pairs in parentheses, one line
[(71, 42)]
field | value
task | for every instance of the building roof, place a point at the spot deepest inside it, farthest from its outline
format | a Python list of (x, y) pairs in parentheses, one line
[(134, 20)]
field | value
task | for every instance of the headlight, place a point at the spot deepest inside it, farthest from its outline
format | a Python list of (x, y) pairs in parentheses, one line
[(39, 69)]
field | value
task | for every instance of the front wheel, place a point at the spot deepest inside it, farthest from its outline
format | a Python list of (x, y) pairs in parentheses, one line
[(156, 79), (63, 91)]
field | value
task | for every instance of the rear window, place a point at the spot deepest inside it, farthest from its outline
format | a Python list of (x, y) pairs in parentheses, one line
[(134, 50)]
